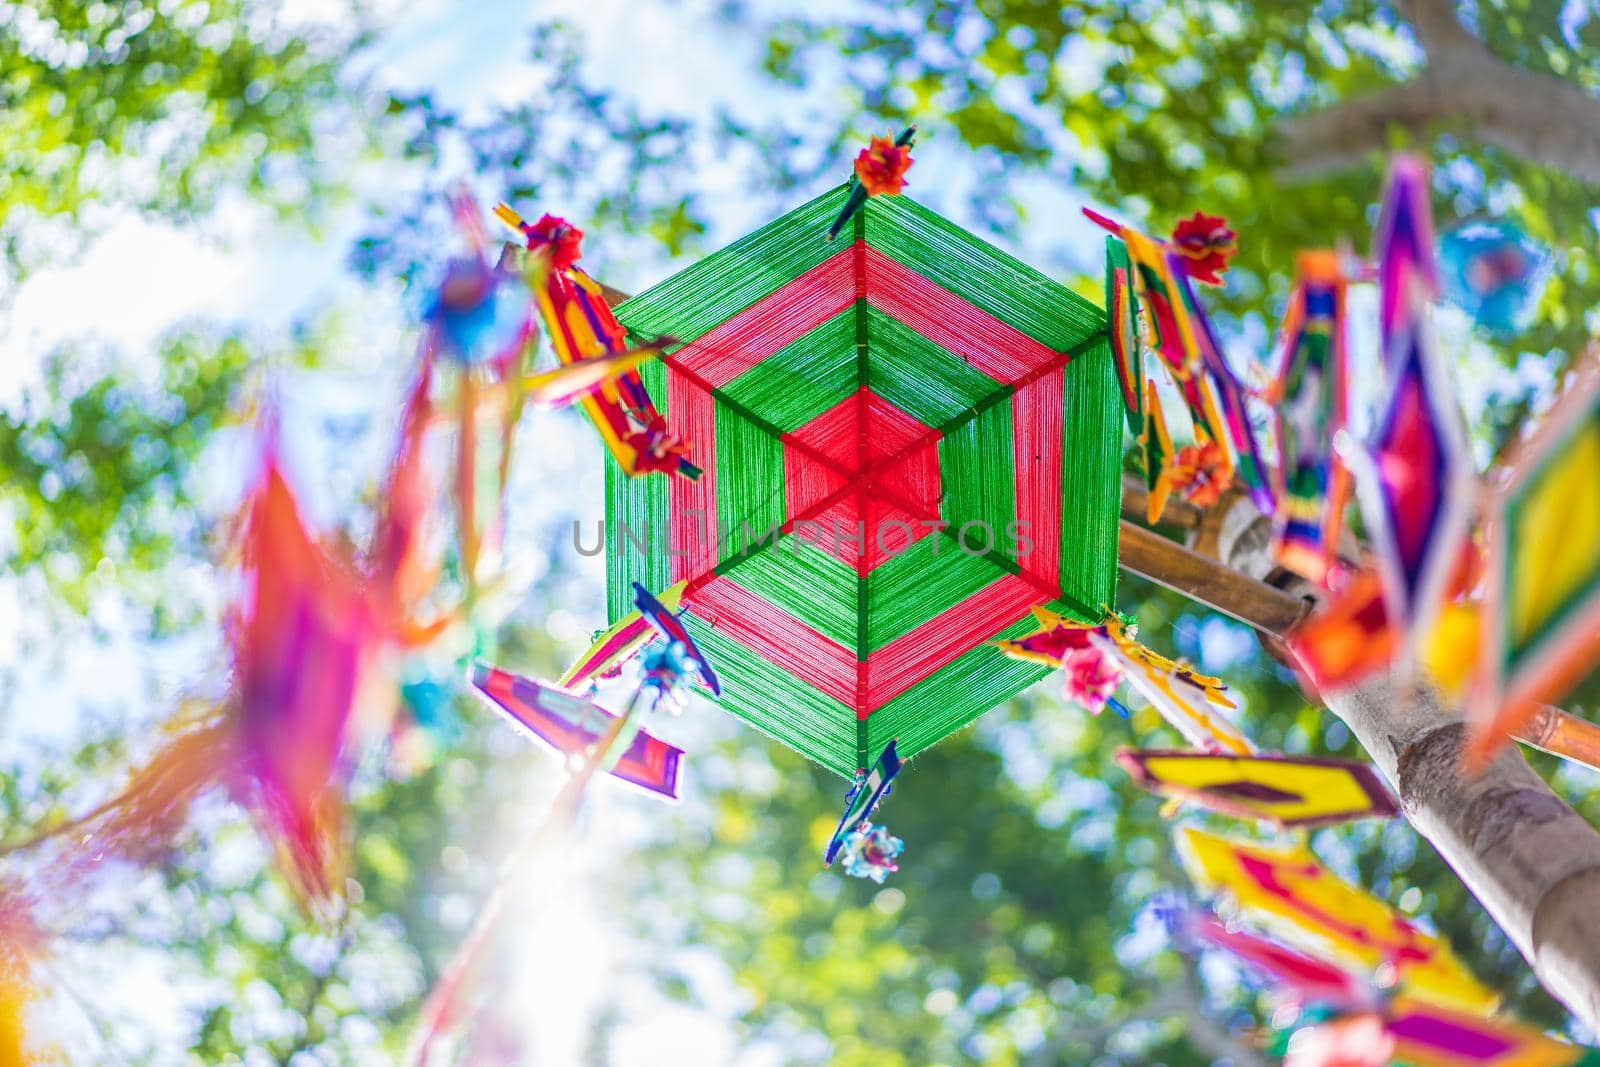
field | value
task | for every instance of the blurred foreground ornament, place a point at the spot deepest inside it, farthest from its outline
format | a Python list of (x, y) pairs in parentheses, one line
[(1361, 1040), (1423, 1034), (1292, 976), (1290, 892), (21, 941), (1402, 248), (306, 640), (1495, 273), (480, 314), (1311, 396), (1199, 474), (880, 170), (1541, 632), (1288, 791), (1348, 638), (1415, 474), (867, 791)]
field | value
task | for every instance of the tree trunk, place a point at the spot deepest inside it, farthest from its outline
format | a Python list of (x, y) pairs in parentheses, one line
[(1532, 862)]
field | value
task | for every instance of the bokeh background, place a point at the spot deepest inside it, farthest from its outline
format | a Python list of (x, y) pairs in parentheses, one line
[(200, 201)]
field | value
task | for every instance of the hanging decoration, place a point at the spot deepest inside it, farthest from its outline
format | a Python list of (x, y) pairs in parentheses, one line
[(568, 385), (1154, 286), (480, 323), (1170, 324), (305, 642), (1191, 703), (404, 563), (480, 315), (1292, 976), (1541, 632), (1089, 677), (582, 327), (1310, 398), (1419, 1033), (1290, 892), (1495, 273), (1289, 791), (909, 441), (21, 943), (1197, 474), (1225, 399), (573, 726), (577, 727), (1402, 248), (1206, 244), (616, 645), (1122, 327), (1349, 637), (669, 626), (1156, 445), (1416, 474), (868, 851), (880, 170)]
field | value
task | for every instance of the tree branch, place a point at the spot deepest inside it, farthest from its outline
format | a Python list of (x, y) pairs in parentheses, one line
[(1465, 86)]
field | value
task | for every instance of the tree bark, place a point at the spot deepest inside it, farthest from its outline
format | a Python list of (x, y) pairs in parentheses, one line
[(1538, 117), (1532, 862)]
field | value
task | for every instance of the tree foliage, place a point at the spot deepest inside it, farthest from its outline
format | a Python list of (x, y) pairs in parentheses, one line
[(158, 107), (1164, 108)]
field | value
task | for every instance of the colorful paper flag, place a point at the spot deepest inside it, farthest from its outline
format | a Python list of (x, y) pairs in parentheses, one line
[(1188, 701), (1122, 315), (1309, 397), (1348, 638), (1541, 629), (570, 725), (1403, 248), (1299, 791), (1156, 444), (1415, 480), (1295, 976), (617, 644), (1289, 891), (1225, 393)]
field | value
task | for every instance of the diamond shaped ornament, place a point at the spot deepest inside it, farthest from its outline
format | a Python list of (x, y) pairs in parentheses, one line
[(909, 439)]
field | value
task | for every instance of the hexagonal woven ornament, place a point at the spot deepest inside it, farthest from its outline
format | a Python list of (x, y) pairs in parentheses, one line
[(909, 439)]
